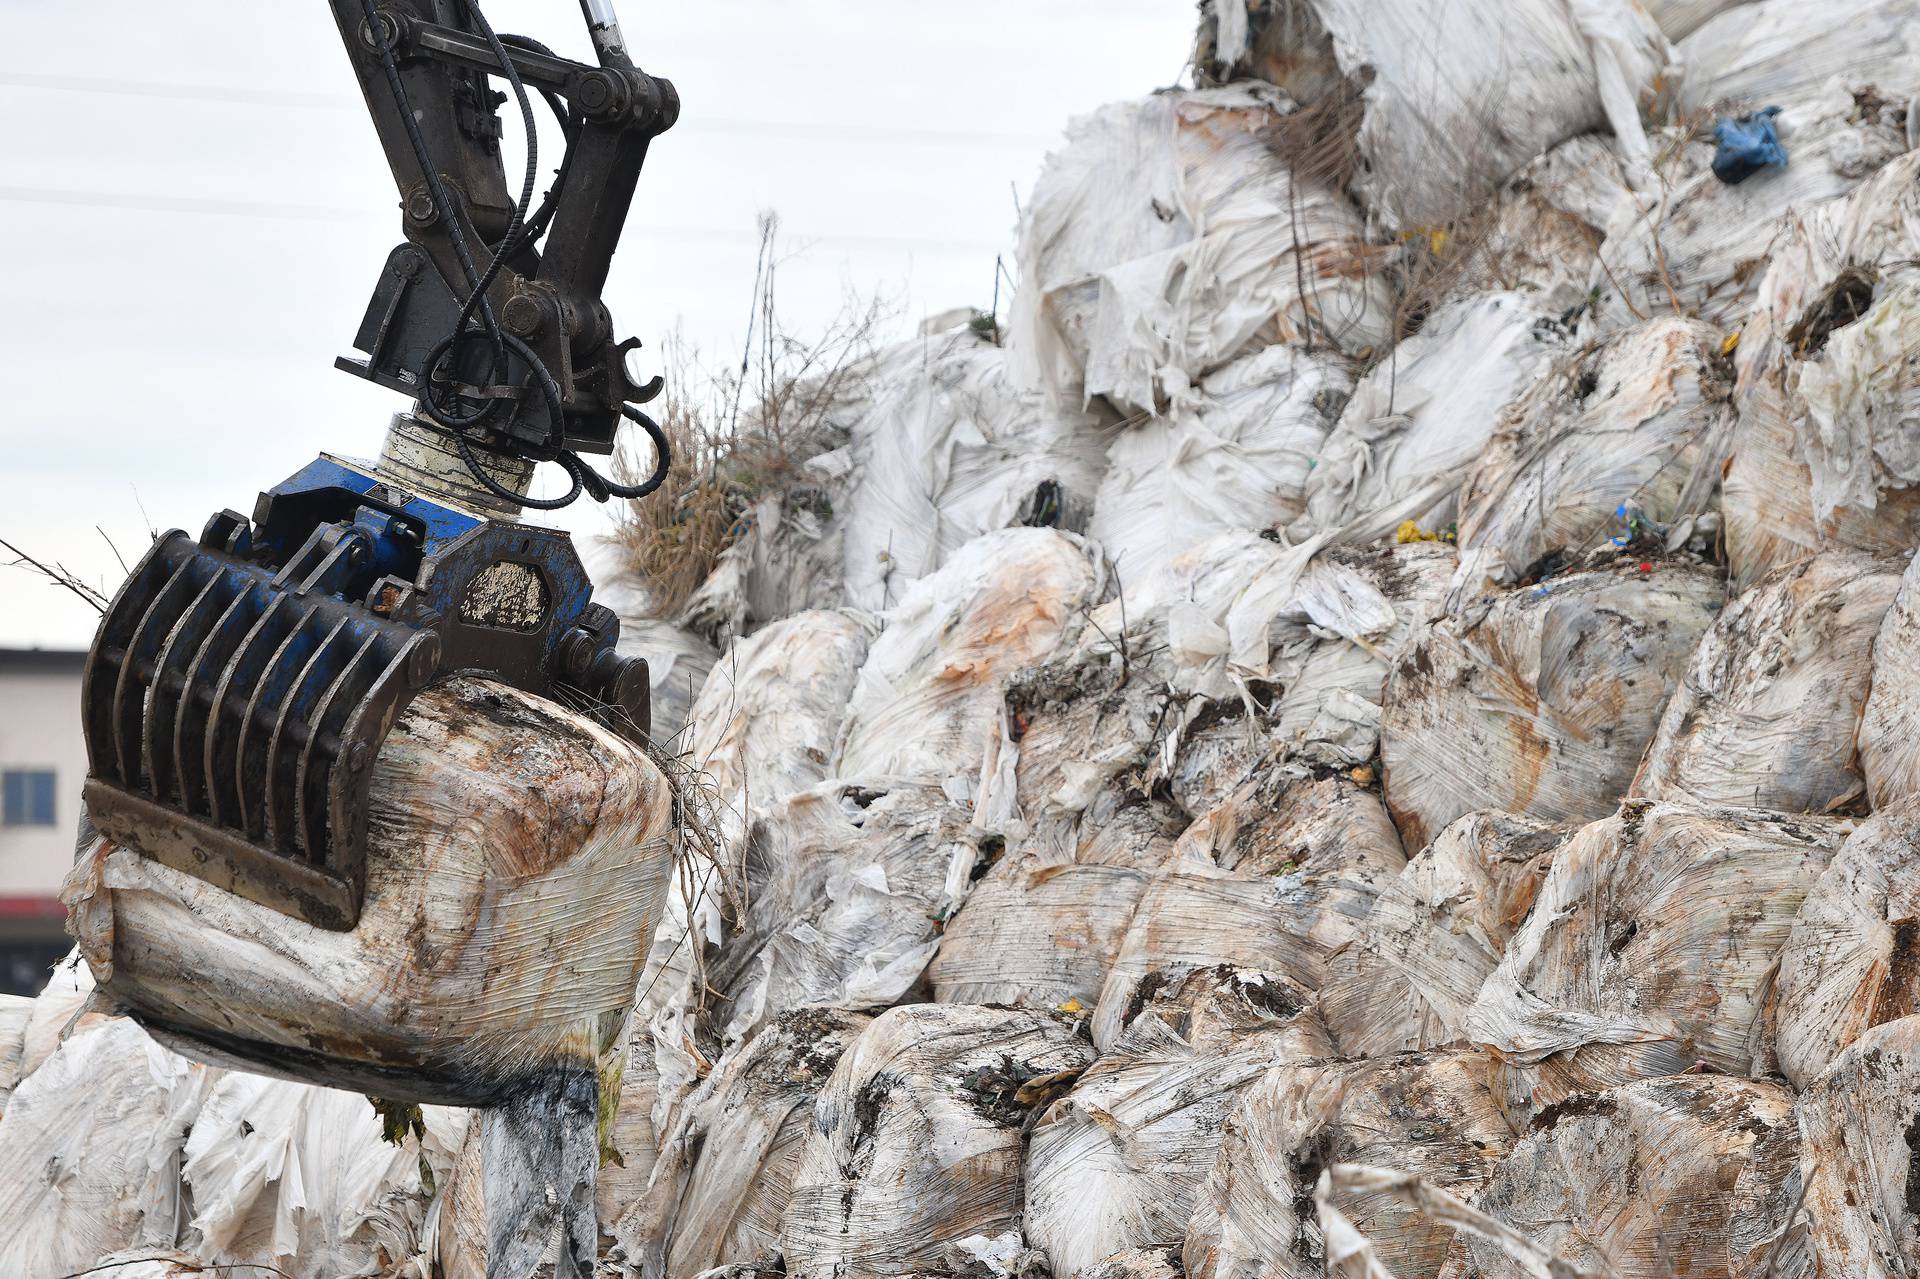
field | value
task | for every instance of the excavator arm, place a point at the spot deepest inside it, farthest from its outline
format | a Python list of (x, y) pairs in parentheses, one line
[(241, 683)]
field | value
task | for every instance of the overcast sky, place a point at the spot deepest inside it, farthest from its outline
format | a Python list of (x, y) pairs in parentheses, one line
[(195, 209)]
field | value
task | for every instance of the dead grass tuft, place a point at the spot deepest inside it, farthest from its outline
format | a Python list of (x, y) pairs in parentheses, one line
[(743, 434)]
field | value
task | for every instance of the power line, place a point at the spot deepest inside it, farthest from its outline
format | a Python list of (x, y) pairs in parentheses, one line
[(200, 205), (334, 102)]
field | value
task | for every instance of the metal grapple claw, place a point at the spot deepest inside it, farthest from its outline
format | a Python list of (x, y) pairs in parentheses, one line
[(240, 686)]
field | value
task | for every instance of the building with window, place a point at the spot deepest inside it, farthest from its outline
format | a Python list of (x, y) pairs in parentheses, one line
[(43, 761)]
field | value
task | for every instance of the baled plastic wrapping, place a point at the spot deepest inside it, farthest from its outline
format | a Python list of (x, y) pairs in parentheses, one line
[(1539, 699), (1453, 96), (1777, 51), (1680, 18), (1427, 1114), (1036, 934), (1857, 1157), (1543, 232), (518, 857), (1637, 426), (677, 665), (1806, 475), (1889, 737), (1328, 708), (1697, 246), (1679, 1176), (1274, 880), (1850, 962), (1770, 706), (1169, 234), (64, 1006), (845, 889), (90, 1151), (1650, 950), (1117, 1162), (1233, 451), (1437, 932), (1422, 415), (751, 1127), (291, 1178), (15, 1012), (1064, 782), (922, 706), (766, 719), (951, 448), (916, 1139)]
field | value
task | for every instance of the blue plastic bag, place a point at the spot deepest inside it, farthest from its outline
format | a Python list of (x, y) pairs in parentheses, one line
[(1746, 146)]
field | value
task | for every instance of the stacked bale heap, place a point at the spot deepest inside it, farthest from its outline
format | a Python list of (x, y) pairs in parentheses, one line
[(1361, 730)]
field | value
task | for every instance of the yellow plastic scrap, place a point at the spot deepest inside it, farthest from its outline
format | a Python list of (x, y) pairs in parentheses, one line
[(1073, 1006), (1732, 343), (1412, 532), (1435, 236)]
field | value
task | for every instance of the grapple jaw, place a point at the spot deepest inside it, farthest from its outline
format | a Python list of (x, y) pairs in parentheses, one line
[(240, 686)]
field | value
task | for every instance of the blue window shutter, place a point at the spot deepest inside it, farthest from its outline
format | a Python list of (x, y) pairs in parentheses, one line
[(40, 806), (27, 797)]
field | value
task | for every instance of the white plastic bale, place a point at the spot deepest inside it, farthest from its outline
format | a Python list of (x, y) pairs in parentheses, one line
[(1687, 1176), (1274, 880), (1136, 1263), (299, 1179), (1299, 635), (518, 856), (1852, 961), (1422, 415), (1637, 427), (1168, 237), (1769, 710), (90, 1151), (951, 448), (1329, 708), (1080, 733), (1455, 95), (845, 890), (1680, 18), (1542, 232), (1858, 1157), (677, 664), (1234, 451), (1889, 737), (1444, 923), (1036, 935), (1540, 699), (784, 556), (1803, 476), (15, 1012), (1779, 52), (1650, 950), (921, 708), (1116, 1163), (764, 724), (1697, 246), (752, 1127), (677, 659), (64, 1006), (916, 1139), (1431, 1115)]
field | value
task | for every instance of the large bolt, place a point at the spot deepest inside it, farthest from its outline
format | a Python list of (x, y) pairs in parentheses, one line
[(421, 210), (424, 662), (523, 315)]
